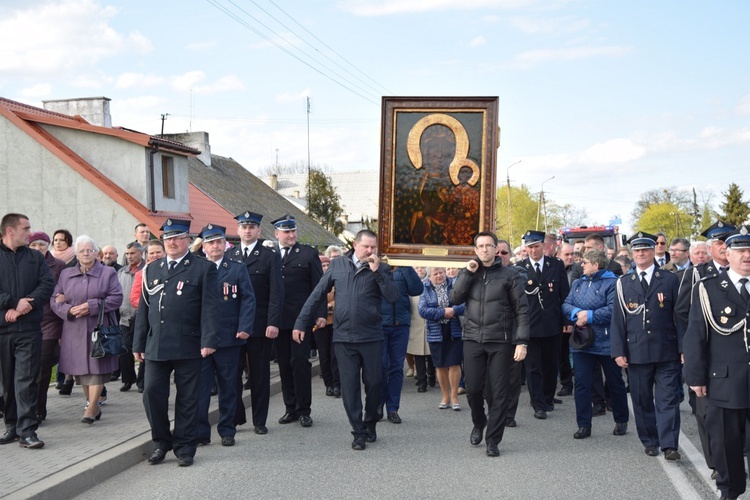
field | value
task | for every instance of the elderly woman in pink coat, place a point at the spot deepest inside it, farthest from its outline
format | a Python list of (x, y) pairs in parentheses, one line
[(76, 301)]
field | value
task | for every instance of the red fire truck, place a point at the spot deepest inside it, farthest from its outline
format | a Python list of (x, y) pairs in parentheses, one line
[(611, 235)]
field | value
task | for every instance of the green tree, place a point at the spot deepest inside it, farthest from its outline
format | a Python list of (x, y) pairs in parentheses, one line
[(667, 218), (524, 208), (324, 203), (668, 196), (736, 210)]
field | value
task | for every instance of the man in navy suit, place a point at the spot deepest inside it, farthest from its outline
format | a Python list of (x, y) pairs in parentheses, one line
[(301, 271), (647, 341), (717, 359), (546, 289), (237, 313), (177, 324), (264, 266)]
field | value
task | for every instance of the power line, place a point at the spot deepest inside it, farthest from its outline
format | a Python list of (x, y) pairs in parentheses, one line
[(269, 39)]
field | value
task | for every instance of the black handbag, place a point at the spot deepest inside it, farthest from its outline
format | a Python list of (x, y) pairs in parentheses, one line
[(106, 340)]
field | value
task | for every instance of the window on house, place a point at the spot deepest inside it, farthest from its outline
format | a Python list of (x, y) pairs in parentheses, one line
[(167, 176)]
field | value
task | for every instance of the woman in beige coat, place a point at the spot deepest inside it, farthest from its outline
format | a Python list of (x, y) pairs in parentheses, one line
[(418, 347)]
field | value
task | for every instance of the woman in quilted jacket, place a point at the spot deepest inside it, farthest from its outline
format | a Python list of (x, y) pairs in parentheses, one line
[(590, 304)]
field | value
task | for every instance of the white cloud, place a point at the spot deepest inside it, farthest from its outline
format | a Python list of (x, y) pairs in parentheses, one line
[(613, 151), (200, 46), (387, 7), (477, 41), (137, 80), (293, 96), (743, 107), (60, 36), (535, 25), (223, 84), (531, 58), (92, 81), (38, 90)]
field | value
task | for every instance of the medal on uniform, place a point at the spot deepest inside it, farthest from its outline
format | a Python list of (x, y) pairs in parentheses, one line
[(296, 250), (723, 320), (728, 310), (660, 296), (724, 284), (180, 284), (226, 291), (530, 282), (550, 287), (234, 291), (256, 252)]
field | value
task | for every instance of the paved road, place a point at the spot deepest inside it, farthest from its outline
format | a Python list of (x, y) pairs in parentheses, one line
[(428, 456)]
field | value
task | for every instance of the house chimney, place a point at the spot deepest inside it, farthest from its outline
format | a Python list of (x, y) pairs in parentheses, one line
[(273, 181), (296, 194), (197, 140), (94, 110)]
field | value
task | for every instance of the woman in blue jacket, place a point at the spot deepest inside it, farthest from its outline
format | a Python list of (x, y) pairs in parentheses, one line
[(443, 334), (590, 303)]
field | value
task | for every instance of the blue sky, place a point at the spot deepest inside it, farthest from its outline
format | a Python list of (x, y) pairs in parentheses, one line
[(612, 98)]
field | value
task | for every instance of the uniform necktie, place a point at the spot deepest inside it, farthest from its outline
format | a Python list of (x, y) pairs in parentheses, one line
[(661, 262), (172, 265), (644, 283), (743, 290), (723, 268), (284, 253), (538, 271), (247, 252)]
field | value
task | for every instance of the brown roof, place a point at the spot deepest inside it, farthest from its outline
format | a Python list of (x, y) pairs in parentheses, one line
[(238, 190)]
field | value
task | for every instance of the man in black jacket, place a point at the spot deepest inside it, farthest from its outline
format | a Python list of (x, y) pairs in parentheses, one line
[(26, 285), (495, 303), (361, 283)]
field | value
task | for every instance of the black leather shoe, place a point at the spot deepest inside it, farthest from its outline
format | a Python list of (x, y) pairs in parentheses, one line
[(214, 391), (261, 429), (565, 391), (30, 442), (67, 388), (431, 381), (422, 387), (287, 418), (8, 437), (157, 456), (227, 441), (671, 454), (337, 392), (510, 422), (620, 428), (714, 475), (359, 443), (371, 436), (202, 441), (540, 414), (598, 410), (247, 385), (329, 391), (582, 433), (126, 387), (185, 461), (492, 450), (305, 421), (476, 435), (652, 451), (394, 418), (556, 401)]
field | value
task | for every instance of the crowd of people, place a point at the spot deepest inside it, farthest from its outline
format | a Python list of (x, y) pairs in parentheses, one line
[(596, 322)]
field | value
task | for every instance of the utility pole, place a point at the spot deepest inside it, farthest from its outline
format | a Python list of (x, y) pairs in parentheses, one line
[(510, 215), (542, 203), (163, 119), (308, 154)]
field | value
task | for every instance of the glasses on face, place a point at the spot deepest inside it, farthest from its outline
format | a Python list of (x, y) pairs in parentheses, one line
[(661, 243), (677, 250), (86, 251), (504, 252), (485, 247)]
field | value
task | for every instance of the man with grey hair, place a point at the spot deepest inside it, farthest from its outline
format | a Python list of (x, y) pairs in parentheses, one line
[(679, 252), (126, 274)]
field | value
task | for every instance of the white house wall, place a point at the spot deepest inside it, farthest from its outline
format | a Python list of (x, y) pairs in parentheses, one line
[(36, 183)]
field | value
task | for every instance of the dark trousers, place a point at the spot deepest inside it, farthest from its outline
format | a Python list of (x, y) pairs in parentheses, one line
[(50, 357), (156, 402), (395, 340), (542, 360), (424, 367), (566, 371), (221, 368), (514, 391), (295, 371), (127, 362), (656, 402), (488, 363), (329, 368), (727, 428), (257, 351), (20, 360), (701, 409), (586, 366), (361, 363)]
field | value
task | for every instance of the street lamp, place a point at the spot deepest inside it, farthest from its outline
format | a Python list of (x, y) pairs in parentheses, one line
[(510, 219), (542, 203)]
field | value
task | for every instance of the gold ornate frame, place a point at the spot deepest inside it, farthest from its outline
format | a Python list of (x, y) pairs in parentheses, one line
[(436, 191)]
